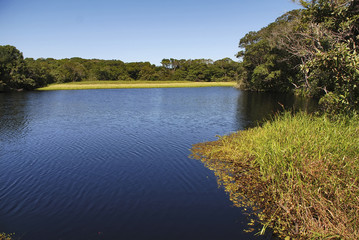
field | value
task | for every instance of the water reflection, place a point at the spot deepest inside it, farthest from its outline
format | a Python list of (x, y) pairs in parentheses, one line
[(13, 116), (255, 107)]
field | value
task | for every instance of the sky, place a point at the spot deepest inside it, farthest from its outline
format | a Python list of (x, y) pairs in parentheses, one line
[(134, 30)]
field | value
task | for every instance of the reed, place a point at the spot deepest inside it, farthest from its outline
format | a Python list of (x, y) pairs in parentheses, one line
[(132, 84), (299, 174)]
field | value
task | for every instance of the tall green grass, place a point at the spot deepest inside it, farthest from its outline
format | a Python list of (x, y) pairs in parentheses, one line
[(300, 171)]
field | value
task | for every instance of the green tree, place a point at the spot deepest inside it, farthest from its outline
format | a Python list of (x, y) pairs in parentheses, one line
[(313, 50), (325, 38), (166, 63), (39, 71), (224, 70), (70, 71), (13, 70), (148, 72), (265, 66)]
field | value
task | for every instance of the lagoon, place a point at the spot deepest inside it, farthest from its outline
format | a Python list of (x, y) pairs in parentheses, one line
[(113, 163)]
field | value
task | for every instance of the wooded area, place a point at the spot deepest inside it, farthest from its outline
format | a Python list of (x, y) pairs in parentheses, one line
[(313, 51), (19, 73)]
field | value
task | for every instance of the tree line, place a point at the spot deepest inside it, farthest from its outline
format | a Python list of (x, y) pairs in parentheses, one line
[(19, 73), (312, 51)]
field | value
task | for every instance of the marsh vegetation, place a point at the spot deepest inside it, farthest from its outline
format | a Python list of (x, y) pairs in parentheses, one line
[(299, 174)]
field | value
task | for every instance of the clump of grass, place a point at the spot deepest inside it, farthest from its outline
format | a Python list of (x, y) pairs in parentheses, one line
[(300, 171)]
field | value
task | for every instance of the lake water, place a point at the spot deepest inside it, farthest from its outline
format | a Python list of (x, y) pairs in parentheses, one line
[(113, 164)]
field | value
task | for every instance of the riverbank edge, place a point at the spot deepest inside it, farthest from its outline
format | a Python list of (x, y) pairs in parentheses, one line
[(84, 85), (298, 173)]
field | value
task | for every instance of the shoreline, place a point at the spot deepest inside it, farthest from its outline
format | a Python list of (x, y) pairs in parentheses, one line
[(298, 174), (85, 85)]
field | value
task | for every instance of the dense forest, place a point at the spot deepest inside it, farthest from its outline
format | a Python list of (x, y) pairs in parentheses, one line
[(312, 51), (19, 73)]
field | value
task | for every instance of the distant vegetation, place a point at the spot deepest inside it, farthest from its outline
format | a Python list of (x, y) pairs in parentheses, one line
[(19, 73)]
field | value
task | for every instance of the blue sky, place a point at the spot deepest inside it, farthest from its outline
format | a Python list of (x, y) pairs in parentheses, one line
[(133, 30)]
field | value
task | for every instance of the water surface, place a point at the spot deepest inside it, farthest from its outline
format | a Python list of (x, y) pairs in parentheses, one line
[(113, 164)]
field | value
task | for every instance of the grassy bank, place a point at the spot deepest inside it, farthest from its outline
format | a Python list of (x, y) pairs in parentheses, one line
[(301, 172), (133, 84)]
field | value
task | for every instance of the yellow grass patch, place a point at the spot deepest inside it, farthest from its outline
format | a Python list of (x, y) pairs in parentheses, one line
[(133, 84)]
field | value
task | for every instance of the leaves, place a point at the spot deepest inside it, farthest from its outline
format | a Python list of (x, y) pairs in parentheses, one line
[(13, 70), (314, 50)]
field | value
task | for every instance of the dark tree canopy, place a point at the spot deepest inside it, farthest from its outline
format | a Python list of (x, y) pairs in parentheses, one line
[(19, 73), (313, 51), (13, 71)]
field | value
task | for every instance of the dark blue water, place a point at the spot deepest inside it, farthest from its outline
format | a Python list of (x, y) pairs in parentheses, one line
[(113, 164)]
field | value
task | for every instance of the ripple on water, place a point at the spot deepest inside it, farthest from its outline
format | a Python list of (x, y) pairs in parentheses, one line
[(75, 163)]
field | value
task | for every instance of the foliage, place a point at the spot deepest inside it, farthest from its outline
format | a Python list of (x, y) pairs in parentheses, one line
[(326, 41), (267, 67), (202, 70), (13, 75), (337, 72), (299, 173), (319, 45), (17, 73), (39, 71), (199, 70)]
